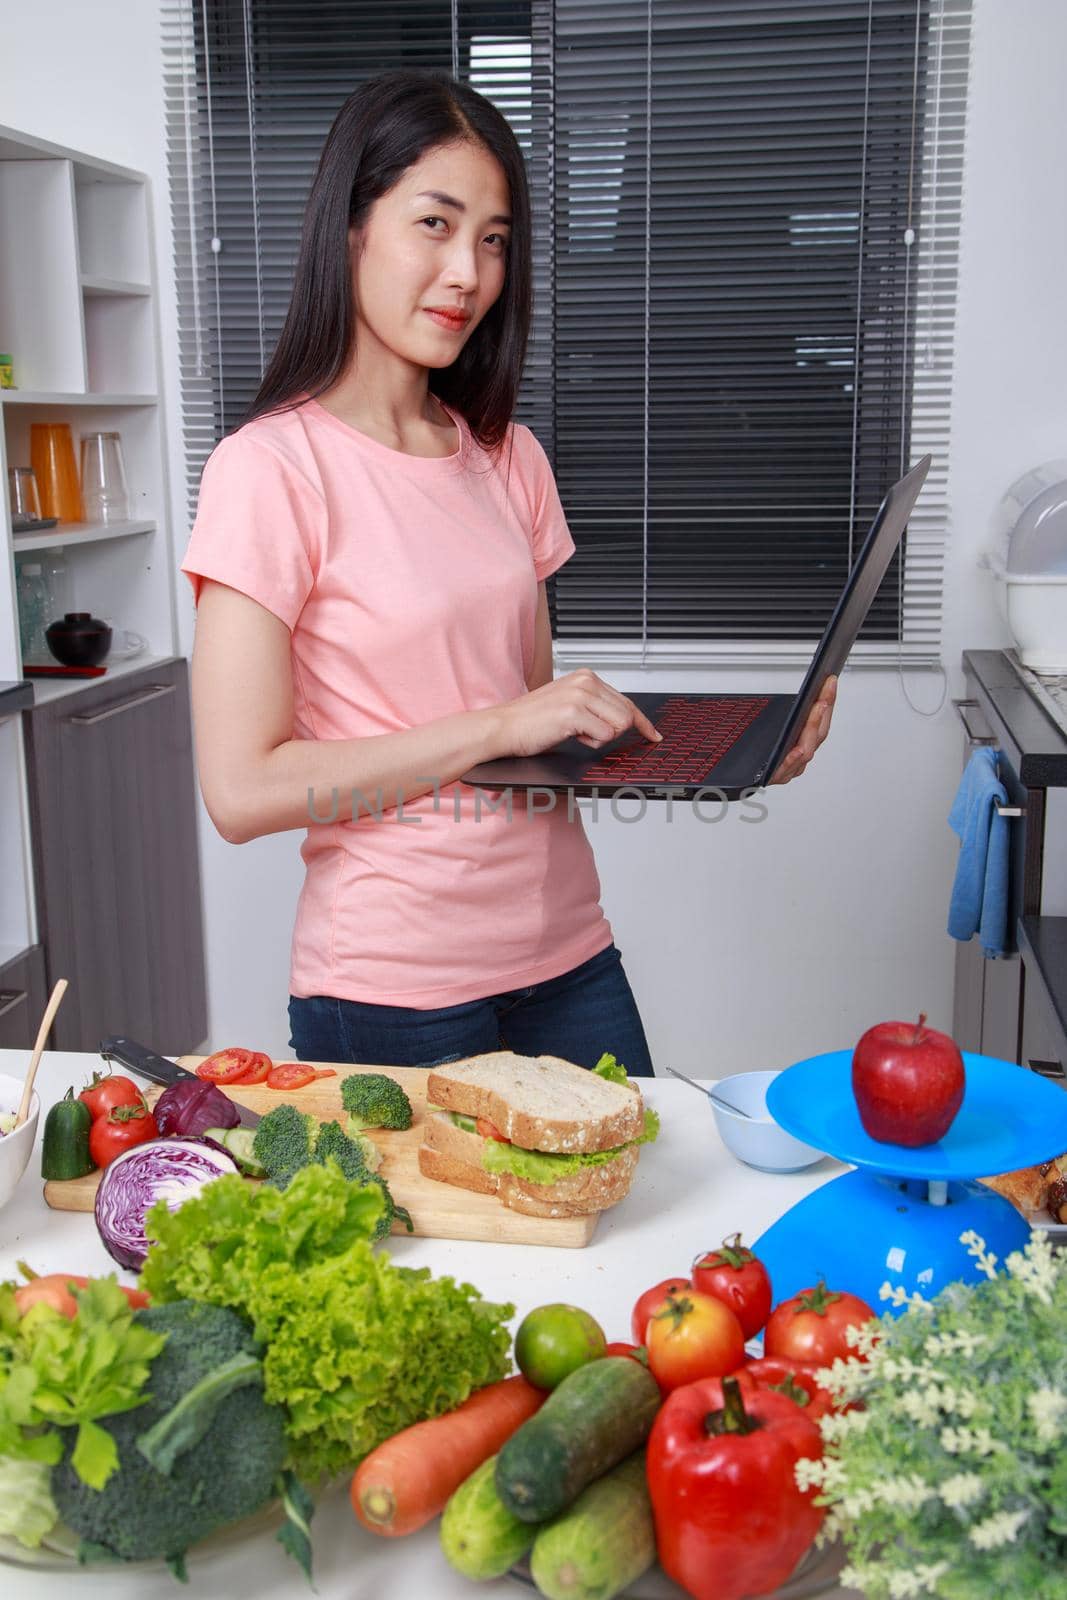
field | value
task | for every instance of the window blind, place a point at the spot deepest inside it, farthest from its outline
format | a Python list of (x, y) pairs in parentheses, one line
[(745, 267)]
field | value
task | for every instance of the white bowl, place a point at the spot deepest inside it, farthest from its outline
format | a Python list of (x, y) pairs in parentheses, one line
[(15, 1148), (757, 1140)]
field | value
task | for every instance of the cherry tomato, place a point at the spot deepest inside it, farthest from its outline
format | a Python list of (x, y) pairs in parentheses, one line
[(636, 1352), (648, 1303), (290, 1075), (54, 1289), (692, 1336), (795, 1379), (258, 1069), (489, 1131), (811, 1326), (739, 1279), (107, 1091), (121, 1129), (225, 1066)]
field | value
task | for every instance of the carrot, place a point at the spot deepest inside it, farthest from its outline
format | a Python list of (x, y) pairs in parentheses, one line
[(408, 1479), (54, 1289)]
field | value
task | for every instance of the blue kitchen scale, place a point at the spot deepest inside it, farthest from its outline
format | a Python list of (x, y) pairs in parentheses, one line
[(897, 1217)]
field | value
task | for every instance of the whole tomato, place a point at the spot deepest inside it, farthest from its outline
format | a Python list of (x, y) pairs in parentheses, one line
[(119, 1130), (795, 1379), (739, 1279), (811, 1326), (648, 1303), (692, 1336), (106, 1092)]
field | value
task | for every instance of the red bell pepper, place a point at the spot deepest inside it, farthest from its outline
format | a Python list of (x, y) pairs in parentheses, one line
[(730, 1519), (796, 1379)]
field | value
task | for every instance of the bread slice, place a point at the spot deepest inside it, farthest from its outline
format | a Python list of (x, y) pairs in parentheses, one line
[(451, 1155), (540, 1102)]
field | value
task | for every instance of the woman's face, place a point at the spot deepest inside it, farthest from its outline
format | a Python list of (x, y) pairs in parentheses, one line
[(436, 241)]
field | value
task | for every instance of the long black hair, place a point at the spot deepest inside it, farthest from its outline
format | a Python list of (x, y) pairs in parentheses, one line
[(385, 126)]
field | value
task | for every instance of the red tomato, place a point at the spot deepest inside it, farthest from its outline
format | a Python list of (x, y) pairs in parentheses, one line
[(121, 1129), (636, 1351), (54, 1290), (225, 1066), (811, 1326), (489, 1131), (648, 1303), (794, 1379), (735, 1276), (692, 1336), (258, 1069), (105, 1092), (290, 1075)]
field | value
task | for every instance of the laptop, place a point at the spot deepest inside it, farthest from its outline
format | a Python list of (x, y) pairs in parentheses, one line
[(731, 744)]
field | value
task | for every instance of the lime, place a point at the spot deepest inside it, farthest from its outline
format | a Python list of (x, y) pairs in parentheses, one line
[(554, 1341)]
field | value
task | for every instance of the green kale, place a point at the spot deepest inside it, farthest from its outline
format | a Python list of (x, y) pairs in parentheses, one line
[(217, 1443), (374, 1101)]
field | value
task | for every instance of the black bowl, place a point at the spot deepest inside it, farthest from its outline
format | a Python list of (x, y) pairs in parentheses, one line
[(79, 640)]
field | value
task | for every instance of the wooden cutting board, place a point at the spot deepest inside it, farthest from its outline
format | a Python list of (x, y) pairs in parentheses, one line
[(438, 1210)]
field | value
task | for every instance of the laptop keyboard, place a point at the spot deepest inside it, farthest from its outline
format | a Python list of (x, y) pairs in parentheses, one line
[(696, 734)]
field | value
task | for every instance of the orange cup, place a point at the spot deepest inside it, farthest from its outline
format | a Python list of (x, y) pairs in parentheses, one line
[(52, 459)]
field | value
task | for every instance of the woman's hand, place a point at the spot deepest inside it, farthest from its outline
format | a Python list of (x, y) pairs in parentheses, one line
[(579, 705), (814, 732)]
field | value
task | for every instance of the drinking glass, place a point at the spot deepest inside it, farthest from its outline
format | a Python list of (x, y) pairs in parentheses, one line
[(22, 487), (107, 498), (52, 458)]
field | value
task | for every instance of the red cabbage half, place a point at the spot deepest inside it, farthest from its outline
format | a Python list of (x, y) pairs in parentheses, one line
[(191, 1106), (171, 1170)]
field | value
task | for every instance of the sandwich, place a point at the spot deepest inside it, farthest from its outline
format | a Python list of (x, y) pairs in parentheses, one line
[(550, 1138)]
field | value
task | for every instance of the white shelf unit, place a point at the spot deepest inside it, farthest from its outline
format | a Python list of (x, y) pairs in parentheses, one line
[(79, 316)]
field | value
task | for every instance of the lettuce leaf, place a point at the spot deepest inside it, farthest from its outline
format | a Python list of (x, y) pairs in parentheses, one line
[(357, 1348), (536, 1166), (27, 1510), (65, 1372), (608, 1067)]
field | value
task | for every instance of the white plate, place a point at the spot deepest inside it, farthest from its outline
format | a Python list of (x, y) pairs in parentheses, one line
[(58, 1551), (1057, 1231), (817, 1574)]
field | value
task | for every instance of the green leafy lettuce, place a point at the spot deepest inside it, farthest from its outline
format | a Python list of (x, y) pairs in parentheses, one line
[(608, 1067), (538, 1167), (61, 1372), (356, 1348)]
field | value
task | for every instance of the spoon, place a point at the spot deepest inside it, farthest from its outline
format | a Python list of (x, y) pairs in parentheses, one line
[(42, 1034), (716, 1099)]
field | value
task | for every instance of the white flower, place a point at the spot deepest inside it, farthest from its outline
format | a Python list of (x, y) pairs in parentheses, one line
[(998, 1529), (900, 1297), (1048, 1408), (969, 1441), (987, 1261), (1035, 1268), (924, 1580), (961, 1490), (907, 1492)]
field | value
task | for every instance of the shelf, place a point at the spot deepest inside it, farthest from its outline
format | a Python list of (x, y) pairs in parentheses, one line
[(36, 397), (78, 533), (47, 689), (111, 286)]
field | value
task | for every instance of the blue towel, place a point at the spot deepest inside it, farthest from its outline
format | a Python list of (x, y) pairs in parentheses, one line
[(980, 893)]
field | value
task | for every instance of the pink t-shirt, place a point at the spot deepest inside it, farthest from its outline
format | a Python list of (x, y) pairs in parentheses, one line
[(409, 586)]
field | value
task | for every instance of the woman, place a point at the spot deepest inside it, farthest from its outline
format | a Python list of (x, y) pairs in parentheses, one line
[(369, 561)]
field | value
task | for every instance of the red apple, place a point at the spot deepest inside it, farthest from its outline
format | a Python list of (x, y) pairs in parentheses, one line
[(908, 1081)]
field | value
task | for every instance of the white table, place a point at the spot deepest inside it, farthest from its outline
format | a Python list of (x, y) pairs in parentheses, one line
[(689, 1194)]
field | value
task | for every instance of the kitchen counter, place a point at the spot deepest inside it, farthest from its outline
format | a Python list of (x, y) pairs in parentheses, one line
[(1033, 742), (689, 1194)]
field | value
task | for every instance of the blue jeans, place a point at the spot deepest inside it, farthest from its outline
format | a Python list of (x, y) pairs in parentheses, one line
[(579, 1015)]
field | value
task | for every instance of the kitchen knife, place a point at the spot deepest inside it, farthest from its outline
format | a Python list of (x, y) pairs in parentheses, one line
[(157, 1069)]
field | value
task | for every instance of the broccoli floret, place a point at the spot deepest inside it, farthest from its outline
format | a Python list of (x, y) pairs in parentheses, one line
[(284, 1143), (374, 1101), (333, 1141), (224, 1458)]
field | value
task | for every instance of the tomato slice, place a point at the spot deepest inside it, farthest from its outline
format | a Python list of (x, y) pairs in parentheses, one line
[(258, 1069), (290, 1075), (488, 1131), (225, 1066), (325, 1072)]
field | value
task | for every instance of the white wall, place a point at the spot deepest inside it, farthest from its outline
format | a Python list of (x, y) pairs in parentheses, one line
[(747, 946)]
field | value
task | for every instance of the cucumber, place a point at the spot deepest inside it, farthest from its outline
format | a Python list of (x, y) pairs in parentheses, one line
[(603, 1543), (238, 1142), (65, 1141), (479, 1535), (590, 1422)]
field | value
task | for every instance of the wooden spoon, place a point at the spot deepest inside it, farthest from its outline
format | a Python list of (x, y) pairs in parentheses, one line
[(42, 1034)]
